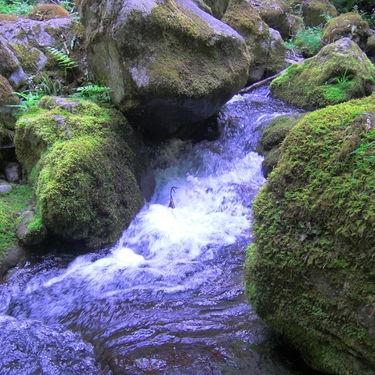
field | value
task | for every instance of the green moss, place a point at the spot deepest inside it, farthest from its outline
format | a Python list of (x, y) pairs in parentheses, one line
[(81, 158), (27, 57), (339, 72), (12, 203), (310, 270), (192, 53), (272, 137), (347, 25)]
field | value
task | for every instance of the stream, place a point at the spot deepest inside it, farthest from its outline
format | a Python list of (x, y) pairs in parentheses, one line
[(168, 298)]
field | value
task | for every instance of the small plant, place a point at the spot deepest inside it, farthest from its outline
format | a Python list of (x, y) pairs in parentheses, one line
[(62, 58), (308, 40), (16, 7), (27, 99), (44, 84), (342, 81), (94, 92)]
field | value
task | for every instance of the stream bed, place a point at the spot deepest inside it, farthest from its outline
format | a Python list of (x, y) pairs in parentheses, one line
[(168, 298)]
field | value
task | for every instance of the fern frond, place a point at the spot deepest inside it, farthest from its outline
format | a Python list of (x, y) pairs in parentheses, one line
[(62, 58)]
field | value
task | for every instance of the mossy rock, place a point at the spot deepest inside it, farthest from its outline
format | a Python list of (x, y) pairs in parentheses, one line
[(310, 271), (315, 12), (272, 136), (47, 12), (8, 18), (274, 14), (7, 112), (266, 48), (12, 203), (349, 25), (180, 68), (84, 161), (338, 73), (27, 56)]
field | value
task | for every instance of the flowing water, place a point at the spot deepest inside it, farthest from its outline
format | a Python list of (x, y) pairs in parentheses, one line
[(169, 297)]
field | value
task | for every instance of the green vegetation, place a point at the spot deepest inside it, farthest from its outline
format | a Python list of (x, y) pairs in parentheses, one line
[(310, 272), (307, 41), (12, 203), (62, 58), (17, 7), (94, 92)]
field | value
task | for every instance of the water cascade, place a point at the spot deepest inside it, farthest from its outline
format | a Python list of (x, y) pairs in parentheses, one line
[(168, 298)]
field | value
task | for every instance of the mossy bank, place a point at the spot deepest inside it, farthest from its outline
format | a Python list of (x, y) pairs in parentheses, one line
[(311, 271), (83, 161)]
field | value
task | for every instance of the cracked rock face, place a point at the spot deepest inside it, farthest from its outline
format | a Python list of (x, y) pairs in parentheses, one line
[(168, 63)]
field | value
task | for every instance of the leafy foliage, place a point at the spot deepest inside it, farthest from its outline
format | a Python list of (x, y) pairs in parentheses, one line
[(62, 58), (16, 7), (307, 41), (94, 92)]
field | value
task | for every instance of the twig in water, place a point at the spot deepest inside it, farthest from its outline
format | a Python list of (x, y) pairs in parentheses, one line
[(171, 203)]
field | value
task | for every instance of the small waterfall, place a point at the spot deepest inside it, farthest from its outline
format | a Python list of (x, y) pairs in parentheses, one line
[(168, 297)]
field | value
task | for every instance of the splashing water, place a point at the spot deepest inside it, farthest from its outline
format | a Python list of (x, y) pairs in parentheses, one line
[(168, 297)]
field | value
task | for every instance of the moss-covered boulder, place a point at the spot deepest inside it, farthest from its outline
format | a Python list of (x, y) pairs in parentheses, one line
[(168, 63), (316, 12), (45, 12), (339, 72), (266, 48), (272, 136), (311, 271), (274, 14), (349, 25), (7, 111), (84, 162)]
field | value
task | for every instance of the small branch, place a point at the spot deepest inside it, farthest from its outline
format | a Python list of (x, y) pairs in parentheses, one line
[(171, 203), (260, 83)]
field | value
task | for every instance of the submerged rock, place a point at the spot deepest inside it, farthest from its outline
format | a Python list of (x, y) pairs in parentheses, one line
[(310, 271), (168, 63), (84, 161), (338, 73)]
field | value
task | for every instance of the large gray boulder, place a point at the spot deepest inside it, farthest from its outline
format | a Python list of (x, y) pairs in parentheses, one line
[(168, 63)]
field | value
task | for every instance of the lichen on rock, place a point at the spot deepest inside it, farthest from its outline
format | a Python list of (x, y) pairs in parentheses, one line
[(84, 162), (310, 271), (338, 73)]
